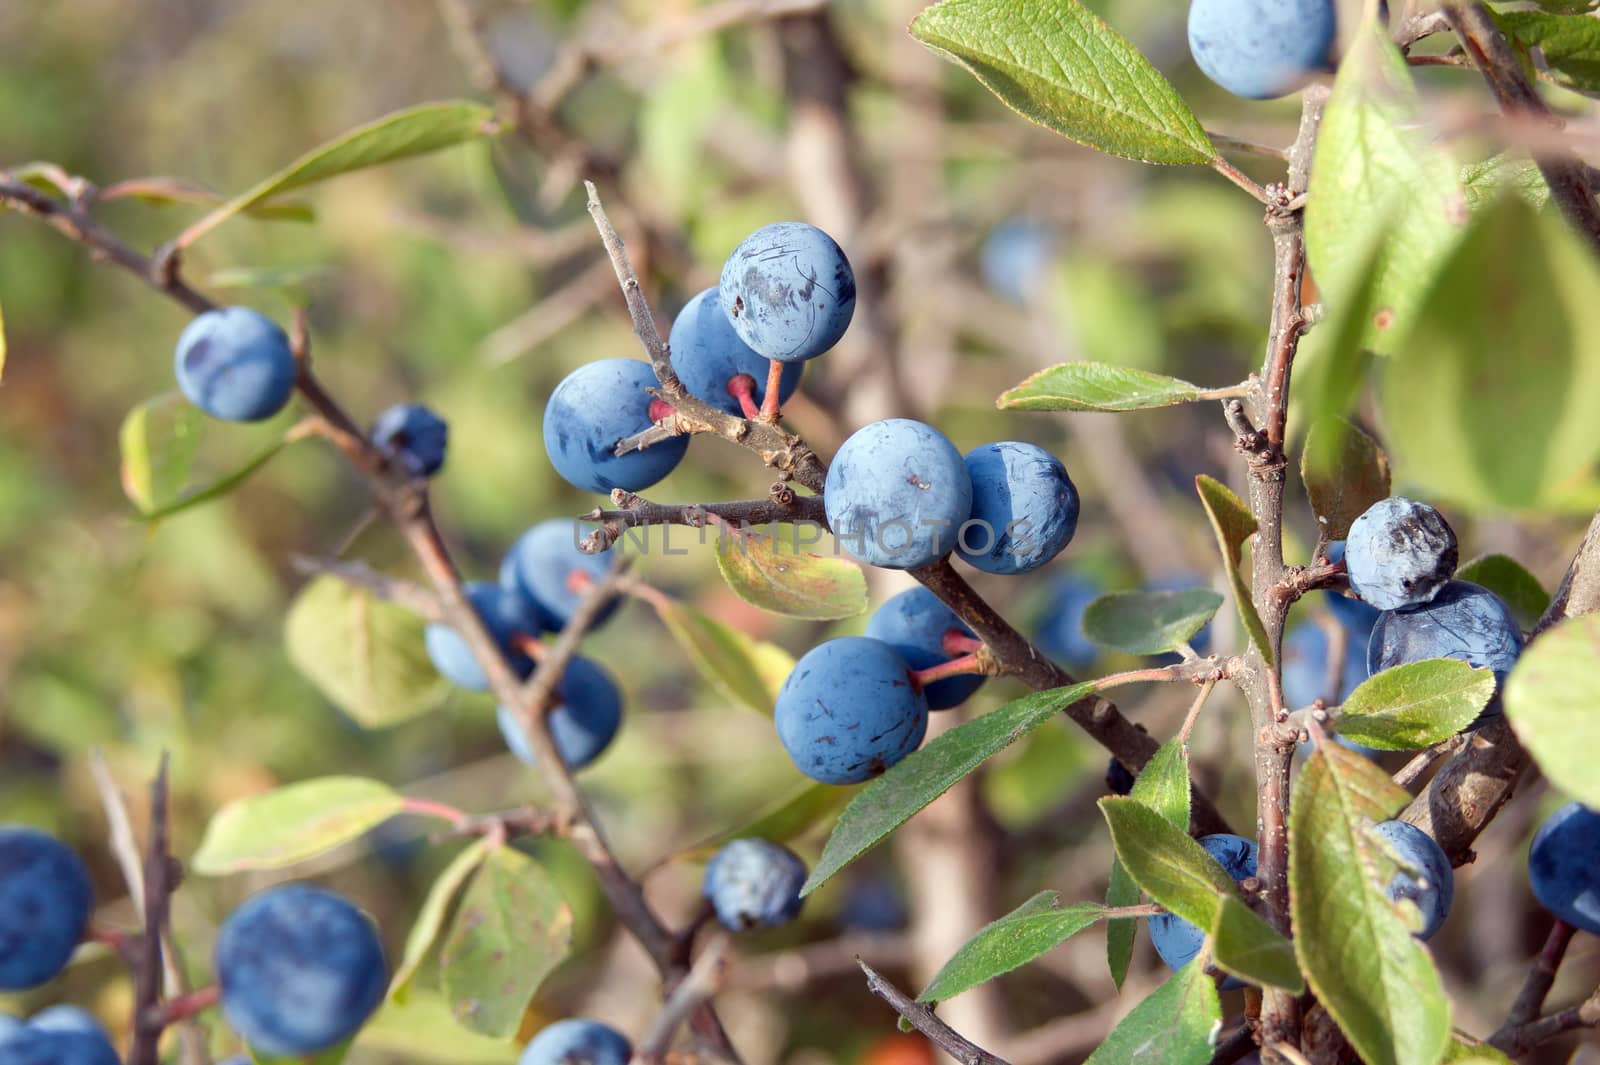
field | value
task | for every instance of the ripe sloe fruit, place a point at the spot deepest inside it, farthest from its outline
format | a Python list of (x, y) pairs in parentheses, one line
[(45, 897), (706, 352), (1178, 941), (596, 406), (1259, 49), (413, 436), (1400, 553), (505, 614), (1433, 887), (897, 493), (542, 564), (235, 364), (585, 723), (1564, 866), (849, 711), (788, 291), (754, 883), (1024, 508), (300, 968), (1464, 622), (577, 1042), (914, 623)]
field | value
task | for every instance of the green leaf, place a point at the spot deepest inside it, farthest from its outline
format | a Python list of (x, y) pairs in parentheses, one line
[(1378, 187), (922, 776), (1247, 947), (1058, 65), (160, 438), (293, 283), (1163, 786), (1148, 623), (293, 823), (1551, 698), (419, 1028), (1507, 578), (1345, 472), (1486, 180), (1570, 45), (797, 584), (746, 671), (1415, 705), (218, 488), (1034, 928), (363, 654), (430, 919), (1098, 386), (1232, 522), (1353, 944), (1331, 370), (1465, 1050), (781, 823), (401, 135), (165, 191), (1171, 867), (1176, 1024), (1520, 281), (510, 930)]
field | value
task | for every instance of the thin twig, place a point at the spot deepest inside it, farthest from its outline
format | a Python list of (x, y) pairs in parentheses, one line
[(160, 878), (1419, 765), (1541, 978), (1515, 1042), (636, 511), (1489, 50), (414, 597), (924, 1020), (705, 979)]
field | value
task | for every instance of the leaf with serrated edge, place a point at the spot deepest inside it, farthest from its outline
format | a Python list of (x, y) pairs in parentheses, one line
[(1353, 944), (1570, 45), (1098, 386), (1247, 947), (430, 919), (791, 582), (401, 135), (1510, 580), (1170, 866), (1034, 928), (1149, 623), (1176, 1024), (1232, 522), (724, 655), (782, 822), (293, 823), (922, 776), (1415, 705), (1377, 183), (1162, 785), (510, 931), (1345, 472), (1060, 66), (1551, 698)]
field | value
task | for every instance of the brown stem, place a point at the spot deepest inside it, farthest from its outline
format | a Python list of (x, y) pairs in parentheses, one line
[(786, 507), (1566, 175), (1515, 1042), (924, 1020), (161, 875), (1541, 977)]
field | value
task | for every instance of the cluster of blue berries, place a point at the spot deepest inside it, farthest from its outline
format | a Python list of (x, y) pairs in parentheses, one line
[(299, 969), (1401, 557), (542, 580), (786, 296)]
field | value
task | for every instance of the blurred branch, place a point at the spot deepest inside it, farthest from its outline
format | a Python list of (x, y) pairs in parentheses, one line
[(1566, 175), (414, 597), (1541, 978), (1515, 1042), (161, 876), (549, 316), (924, 1020), (537, 247), (705, 979), (800, 967)]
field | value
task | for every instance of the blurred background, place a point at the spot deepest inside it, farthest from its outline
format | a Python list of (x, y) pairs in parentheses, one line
[(471, 280)]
